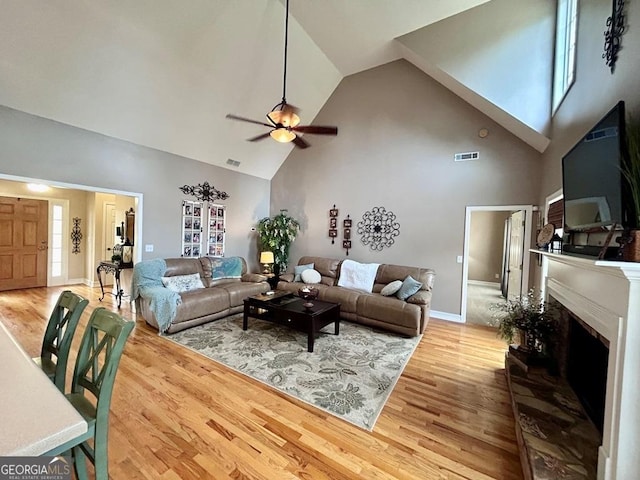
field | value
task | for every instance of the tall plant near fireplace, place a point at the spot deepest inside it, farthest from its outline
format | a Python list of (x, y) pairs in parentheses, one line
[(631, 172)]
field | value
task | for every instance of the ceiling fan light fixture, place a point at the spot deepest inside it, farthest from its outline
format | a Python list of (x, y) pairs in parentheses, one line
[(282, 135), (286, 118)]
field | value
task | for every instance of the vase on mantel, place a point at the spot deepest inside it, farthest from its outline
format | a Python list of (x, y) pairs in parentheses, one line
[(631, 246)]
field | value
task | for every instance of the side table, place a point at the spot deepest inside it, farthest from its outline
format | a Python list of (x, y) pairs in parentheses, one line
[(115, 268)]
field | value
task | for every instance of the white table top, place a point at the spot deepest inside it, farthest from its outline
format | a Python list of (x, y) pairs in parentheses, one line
[(34, 415)]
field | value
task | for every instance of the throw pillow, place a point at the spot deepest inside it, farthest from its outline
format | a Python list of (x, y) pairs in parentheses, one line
[(310, 276), (298, 269), (408, 288), (391, 288), (183, 283)]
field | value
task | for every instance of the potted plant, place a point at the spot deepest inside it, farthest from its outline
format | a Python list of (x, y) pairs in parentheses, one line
[(631, 172), (530, 319), (276, 235)]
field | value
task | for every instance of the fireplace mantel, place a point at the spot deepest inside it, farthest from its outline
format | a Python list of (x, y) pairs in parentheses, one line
[(606, 295)]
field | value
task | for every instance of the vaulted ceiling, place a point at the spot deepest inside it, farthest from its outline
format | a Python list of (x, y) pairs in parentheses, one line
[(164, 73)]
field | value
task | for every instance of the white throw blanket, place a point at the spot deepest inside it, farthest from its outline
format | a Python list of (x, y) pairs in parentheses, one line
[(358, 276)]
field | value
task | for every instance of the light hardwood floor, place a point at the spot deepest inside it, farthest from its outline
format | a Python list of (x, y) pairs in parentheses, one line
[(178, 415)]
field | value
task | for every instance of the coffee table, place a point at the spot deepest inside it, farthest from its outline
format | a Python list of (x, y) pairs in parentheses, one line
[(284, 308)]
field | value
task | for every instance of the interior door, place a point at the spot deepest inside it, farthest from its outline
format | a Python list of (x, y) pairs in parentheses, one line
[(23, 243), (516, 254)]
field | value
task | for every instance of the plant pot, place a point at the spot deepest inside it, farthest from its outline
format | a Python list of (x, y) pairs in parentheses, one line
[(631, 247)]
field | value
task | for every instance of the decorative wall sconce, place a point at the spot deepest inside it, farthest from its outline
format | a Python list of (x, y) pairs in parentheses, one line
[(346, 234), (333, 224), (378, 228), (76, 235), (613, 34), (204, 192)]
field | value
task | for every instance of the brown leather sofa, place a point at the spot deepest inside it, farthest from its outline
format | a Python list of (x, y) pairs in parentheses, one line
[(219, 298), (408, 317)]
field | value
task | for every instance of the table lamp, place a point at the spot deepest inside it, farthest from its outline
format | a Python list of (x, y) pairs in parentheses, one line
[(266, 259)]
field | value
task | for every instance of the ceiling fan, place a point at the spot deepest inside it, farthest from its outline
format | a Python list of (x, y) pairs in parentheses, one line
[(284, 121)]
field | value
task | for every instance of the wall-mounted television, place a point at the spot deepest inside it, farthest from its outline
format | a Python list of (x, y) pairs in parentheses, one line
[(592, 181)]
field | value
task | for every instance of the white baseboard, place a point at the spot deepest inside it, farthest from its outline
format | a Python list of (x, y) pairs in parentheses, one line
[(450, 317), (484, 283)]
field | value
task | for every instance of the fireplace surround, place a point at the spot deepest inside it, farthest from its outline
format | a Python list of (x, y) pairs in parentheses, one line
[(605, 295)]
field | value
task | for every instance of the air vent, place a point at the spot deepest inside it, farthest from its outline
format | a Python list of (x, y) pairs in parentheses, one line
[(233, 163), (465, 157)]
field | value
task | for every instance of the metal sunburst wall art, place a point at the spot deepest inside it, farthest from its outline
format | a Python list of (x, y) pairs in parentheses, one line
[(204, 192), (378, 228), (613, 34), (76, 235)]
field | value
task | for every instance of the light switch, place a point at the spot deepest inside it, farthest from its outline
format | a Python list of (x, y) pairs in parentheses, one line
[(148, 248), (459, 259)]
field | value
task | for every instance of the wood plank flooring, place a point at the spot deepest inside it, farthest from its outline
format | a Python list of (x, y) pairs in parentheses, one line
[(178, 415)]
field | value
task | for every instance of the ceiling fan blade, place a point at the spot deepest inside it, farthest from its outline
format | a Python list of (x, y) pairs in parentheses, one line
[(316, 129), (244, 119), (259, 137), (300, 142)]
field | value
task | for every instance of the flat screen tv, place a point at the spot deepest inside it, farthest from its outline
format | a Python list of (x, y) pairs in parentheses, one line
[(592, 180)]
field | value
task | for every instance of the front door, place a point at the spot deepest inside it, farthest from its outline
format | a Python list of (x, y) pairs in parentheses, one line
[(23, 243)]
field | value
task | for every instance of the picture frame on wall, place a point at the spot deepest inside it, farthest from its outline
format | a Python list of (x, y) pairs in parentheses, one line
[(333, 212), (346, 223), (333, 222), (346, 244), (333, 232), (347, 234)]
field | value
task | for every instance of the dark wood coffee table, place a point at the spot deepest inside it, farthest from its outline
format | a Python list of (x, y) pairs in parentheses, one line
[(284, 308)]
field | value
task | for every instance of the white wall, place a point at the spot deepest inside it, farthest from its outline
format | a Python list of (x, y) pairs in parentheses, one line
[(399, 131), (37, 148), (502, 50)]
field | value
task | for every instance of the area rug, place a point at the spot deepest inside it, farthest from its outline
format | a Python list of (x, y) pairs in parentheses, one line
[(350, 375)]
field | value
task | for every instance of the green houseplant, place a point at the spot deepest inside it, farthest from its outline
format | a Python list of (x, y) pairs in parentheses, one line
[(276, 235), (630, 241), (530, 318)]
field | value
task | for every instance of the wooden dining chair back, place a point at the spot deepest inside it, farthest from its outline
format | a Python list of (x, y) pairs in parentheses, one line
[(59, 335), (91, 388)]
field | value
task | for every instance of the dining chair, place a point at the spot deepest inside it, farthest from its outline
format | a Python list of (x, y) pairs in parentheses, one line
[(92, 385), (58, 336)]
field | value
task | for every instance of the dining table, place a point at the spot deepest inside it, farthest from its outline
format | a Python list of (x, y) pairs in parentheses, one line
[(35, 416)]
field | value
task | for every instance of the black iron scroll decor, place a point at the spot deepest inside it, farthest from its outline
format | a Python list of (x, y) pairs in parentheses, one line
[(76, 235), (378, 228), (613, 34), (204, 192)]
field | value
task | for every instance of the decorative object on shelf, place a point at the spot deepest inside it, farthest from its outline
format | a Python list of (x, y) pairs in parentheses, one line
[(76, 235), (130, 227), (630, 240), (556, 244), (333, 224), (545, 235), (266, 259), (378, 228), (346, 234), (529, 317), (116, 255), (276, 235), (308, 294), (613, 34), (204, 192)]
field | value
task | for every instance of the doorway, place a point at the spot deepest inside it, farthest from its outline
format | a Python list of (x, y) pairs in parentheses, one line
[(490, 244)]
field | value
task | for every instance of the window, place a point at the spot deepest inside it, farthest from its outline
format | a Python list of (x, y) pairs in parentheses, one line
[(565, 50), (56, 241)]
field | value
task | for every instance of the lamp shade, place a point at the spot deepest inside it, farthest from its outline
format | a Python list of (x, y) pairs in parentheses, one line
[(266, 257), (282, 135)]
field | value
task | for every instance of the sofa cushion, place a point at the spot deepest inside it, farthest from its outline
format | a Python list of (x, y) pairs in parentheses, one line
[(310, 276), (388, 273), (408, 288), (391, 288), (200, 303), (183, 283), (298, 269), (347, 299), (327, 267), (389, 310), (182, 266), (238, 291)]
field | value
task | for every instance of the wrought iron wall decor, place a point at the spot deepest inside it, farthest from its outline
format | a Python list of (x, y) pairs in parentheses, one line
[(613, 34), (204, 192), (76, 235), (333, 224), (378, 228), (346, 234)]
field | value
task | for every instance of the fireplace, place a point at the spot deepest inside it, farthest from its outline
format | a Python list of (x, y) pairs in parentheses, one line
[(602, 310), (583, 360)]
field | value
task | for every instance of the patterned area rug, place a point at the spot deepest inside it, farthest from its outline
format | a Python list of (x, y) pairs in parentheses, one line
[(350, 375)]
